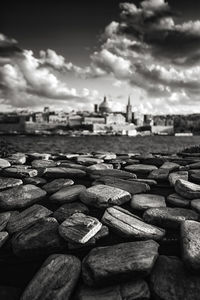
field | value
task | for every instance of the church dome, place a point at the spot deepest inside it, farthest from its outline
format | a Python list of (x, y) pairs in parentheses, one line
[(104, 107)]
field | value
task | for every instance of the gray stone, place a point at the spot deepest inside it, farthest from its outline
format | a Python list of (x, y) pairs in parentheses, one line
[(195, 204), (159, 174), (128, 225), (68, 209), (4, 217), (194, 176), (101, 166), (6, 183), (170, 280), (111, 172), (35, 155), (20, 196), (43, 163), (117, 263), (57, 184), (140, 168), (67, 164), (55, 280), (187, 189), (17, 158), (145, 201), (104, 196), (60, 172), (67, 194), (149, 182), (35, 181), (19, 172), (193, 166), (167, 217), (3, 237), (27, 217), (4, 163), (178, 201), (79, 228), (171, 166), (177, 175), (88, 161)]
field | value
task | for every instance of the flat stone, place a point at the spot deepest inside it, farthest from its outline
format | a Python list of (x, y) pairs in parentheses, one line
[(149, 182), (140, 168), (56, 279), (128, 225), (194, 176), (27, 217), (101, 166), (177, 175), (117, 263), (137, 290), (35, 155), (159, 174), (111, 172), (170, 280), (4, 217), (38, 239), (3, 238), (171, 166), (35, 181), (20, 196), (195, 204), (132, 187), (17, 158), (168, 217), (68, 209), (145, 201), (190, 242), (193, 166), (43, 163), (19, 172), (67, 194), (6, 183), (187, 189), (88, 161), (4, 163), (59, 172), (67, 164), (178, 201), (57, 184), (79, 228), (155, 161), (104, 196)]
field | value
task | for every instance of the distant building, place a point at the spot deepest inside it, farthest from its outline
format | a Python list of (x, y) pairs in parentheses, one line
[(115, 118), (96, 109), (104, 107), (93, 120), (129, 111), (75, 121)]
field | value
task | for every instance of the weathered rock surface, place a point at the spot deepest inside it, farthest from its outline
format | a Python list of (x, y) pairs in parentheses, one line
[(177, 175), (187, 189), (128, 225), (195, 204), (101, 166), (68, 209), (149, 182), (56, 279), (35, 155), (4, 163), (104, 196), (159, 174), (79, 228), (27, 217), (170, 280), (43, 163), (171, 166), (167, 217), (110, 172), (4, 217), (3, 238), (20, 196), (6, 183), (140, 168), (57, 184), (177, 201), (17, 158), (190, 242), (145, 201), (120, 262), (61, 172), (67, 194), (35, 181), (88, 161), (19, 172)]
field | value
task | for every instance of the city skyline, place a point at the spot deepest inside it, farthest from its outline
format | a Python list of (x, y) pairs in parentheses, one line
[(70, 55)]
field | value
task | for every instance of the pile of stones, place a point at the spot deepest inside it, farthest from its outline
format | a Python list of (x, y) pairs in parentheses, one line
[(99, 226)]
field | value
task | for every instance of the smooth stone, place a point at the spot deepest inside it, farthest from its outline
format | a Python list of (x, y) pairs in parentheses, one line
[(130, 186), (21, 196), (4, 163), (170, 280), (3, 238), (190, 242), (104, 196), (35, 155), (178, 201), (159, 174), (194, 176), (133, 290), (111, 172), (128, 225), (149, 182), (67, 164), (155, 161), (168, 217), (61, 172), (177, 175), (40, 238), (117, 263), (19, 172), (195, 204), (140, 168), (35, 181), (194, 166), (68, 209), (101, 166), (79, 228), (4, 217), (88, 161), (17, 158), (171, 166), (43, 163), (67, 194), (187, 189), (145, 201), (6, 183), (56, 279), (57, 184), (27, 217)]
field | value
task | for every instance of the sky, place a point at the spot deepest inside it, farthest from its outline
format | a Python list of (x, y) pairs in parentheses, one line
[(68, 54)]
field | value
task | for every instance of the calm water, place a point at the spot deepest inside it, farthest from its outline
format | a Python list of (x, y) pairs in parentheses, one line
[(100, 143)]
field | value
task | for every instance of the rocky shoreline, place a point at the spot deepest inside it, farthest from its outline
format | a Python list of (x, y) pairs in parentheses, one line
[(100, 226)]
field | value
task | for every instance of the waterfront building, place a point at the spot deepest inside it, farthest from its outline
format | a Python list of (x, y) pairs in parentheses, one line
[(104, 107), (115, 118)]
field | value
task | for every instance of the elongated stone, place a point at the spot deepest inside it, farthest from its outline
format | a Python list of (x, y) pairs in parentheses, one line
[(170, 280), (17, 158), (35, 181), (67, 194), (79, 228), (38, 239), (190, 242), (117, 263), (194, 166), (177, 201), (56, 279), (195, 204), (21, 196), (128, 225), (140, 168), (145, 201), (4, 217), (187, 189), (43, 163), (6, 183), (67, 164), (149, 182), (27, 217), (68, 209), (177, 175), (59, 172), (167, 217), (159, 175), (35, 155), (104, 196), (4, 163), (132, 187), (57, 184), (110, 172), (171, 166), (194, 176), (88, 161), (101, 166), (19, 172), (3, 237), (137, 289)]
